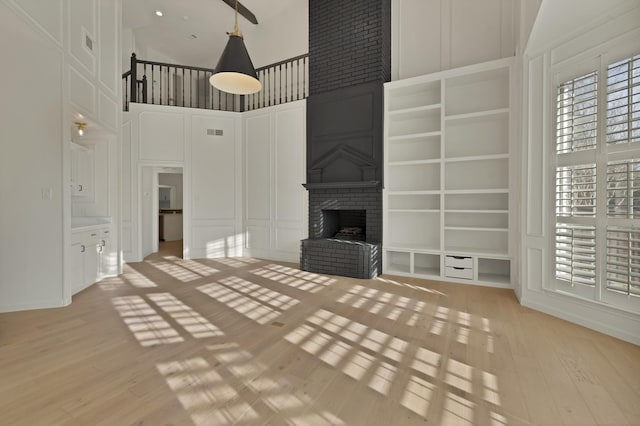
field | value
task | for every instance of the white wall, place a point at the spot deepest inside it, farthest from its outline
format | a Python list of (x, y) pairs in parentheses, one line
[(275, 201), (31, 224), (160, 136), (619, 33), (37, 114), (435, 35)]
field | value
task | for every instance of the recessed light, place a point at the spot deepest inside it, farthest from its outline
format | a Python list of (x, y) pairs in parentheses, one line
[(159, 13)]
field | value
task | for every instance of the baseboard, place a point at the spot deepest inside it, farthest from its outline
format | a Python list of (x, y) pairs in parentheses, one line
[(42, 304), (613, 322)]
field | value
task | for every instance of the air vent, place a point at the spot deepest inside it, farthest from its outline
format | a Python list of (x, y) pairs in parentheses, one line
[(214, 132)]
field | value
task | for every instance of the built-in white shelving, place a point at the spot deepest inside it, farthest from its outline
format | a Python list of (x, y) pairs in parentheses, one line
[(447, 175)]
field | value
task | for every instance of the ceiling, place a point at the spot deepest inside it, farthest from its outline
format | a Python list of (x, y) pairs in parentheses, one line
[(207, 20), (560, 20)]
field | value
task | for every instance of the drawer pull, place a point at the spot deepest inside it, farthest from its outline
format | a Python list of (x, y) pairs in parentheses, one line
[(82, 248), (455, 267), (459, 257)]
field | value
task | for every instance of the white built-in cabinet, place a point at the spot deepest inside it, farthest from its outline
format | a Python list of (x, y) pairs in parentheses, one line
[(92, 257), (447, 185)]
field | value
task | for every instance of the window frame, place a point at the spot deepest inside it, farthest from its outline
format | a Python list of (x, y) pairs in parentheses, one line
[(602, 154)]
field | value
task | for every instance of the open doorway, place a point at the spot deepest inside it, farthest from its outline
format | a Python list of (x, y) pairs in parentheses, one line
[(169, 192)]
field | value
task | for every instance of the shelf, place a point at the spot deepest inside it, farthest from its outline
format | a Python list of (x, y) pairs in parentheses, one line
[(477, 175), (414, 136), (414, 192), (412, 211), (480, 135), (393, 245), (475, 228), (412, 162), (473, 221), (429, 202), (476, 211), (416, 120), (477, 92), (494, 278), (477, 191), (476, 158), (477, 114), (414, 177), (398, 112), (397, 261), (468, 202), (413, 95), (470, 251)]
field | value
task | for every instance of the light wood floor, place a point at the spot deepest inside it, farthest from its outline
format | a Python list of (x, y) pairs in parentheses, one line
[(245, 341)]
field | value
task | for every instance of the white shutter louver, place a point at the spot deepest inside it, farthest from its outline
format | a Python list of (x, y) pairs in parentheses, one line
[(576, 191), (576, 114), (623, 260), (576, 254), (623, 189), (623, 101)]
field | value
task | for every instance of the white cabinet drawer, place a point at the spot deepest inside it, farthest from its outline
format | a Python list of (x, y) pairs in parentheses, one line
[(457, 272), (459, 261)]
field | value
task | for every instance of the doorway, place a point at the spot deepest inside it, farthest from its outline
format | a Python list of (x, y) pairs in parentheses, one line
[(169, 232)]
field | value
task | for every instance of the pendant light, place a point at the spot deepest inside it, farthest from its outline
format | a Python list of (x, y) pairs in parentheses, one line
[(235, 72)]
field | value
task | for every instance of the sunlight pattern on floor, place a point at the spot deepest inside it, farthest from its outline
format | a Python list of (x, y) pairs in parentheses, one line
[(176, 271), (144, 322), (305, 281), (194, 323), (204, 393), (389, 305), (197, 267), (255, 302)]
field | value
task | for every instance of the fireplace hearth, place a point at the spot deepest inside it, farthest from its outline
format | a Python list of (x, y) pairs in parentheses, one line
[(345, 228)]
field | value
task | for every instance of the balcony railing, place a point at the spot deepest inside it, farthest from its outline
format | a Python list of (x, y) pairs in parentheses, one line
[(186, 86)]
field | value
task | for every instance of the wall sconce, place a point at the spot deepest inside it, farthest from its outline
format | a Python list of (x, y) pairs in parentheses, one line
[(80, 125)]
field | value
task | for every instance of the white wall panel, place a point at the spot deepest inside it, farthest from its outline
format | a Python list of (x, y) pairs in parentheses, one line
[(535, 268), (46, 14), (275, 206), (258, 166), (436, 35), (82, 26), (82, 92), (258, 237), (213, 161), (476, 31), (536, 205), (161, 136), (211, 241), (108, 111), (109, 54), (290, 140)]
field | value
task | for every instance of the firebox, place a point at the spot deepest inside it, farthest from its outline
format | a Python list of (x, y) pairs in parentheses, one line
[(344, 224)]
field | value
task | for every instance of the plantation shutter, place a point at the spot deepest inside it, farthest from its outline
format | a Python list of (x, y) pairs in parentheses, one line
[(576, 254), (576, 191), (623, 260), (576, 114), (623, 101)]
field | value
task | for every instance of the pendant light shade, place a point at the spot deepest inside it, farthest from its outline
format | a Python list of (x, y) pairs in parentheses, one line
[(235, 72)]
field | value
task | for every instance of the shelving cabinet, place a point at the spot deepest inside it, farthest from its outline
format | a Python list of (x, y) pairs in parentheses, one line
[(448, 188)]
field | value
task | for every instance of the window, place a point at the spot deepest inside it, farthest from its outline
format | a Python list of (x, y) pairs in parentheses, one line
[(597, 250), (623, 101)]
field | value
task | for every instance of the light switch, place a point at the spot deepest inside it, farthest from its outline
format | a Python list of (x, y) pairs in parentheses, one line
[(47, 194)]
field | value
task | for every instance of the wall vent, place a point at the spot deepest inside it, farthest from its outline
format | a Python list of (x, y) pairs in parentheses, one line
[(214, 132)]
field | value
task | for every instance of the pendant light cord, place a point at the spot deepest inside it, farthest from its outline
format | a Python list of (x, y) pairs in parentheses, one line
[(236, 31)]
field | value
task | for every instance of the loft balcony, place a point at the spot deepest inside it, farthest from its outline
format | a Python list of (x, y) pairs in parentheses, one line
[(160, 83)]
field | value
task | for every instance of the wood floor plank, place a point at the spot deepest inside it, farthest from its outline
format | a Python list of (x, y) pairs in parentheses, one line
[(249, 342)]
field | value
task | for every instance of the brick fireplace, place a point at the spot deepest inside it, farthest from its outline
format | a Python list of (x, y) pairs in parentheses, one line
[(350, 59)]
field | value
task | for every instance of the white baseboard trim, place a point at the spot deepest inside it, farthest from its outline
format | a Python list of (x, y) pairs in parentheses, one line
[(42, 304), (619, 324)]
